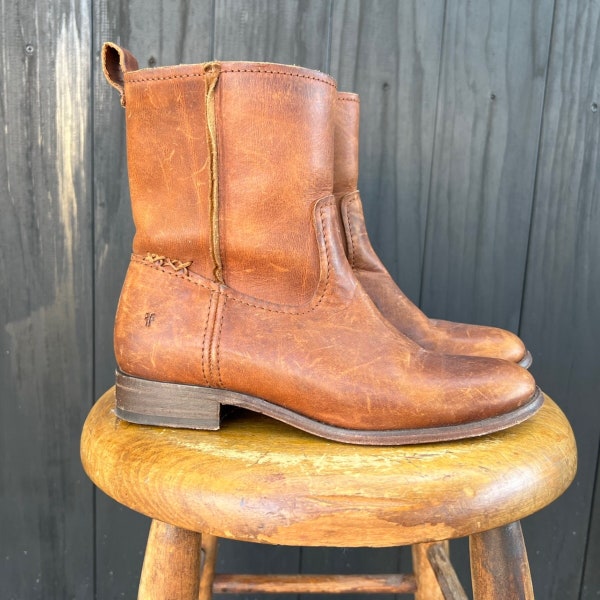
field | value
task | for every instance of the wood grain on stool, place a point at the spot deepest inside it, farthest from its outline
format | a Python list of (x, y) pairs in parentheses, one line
[(259, 480)]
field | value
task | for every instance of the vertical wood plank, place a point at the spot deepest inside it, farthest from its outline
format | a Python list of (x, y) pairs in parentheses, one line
[(46, 548), (489, 114), (590, 588), (389, 53), (291, 32), (158, 34), (562, 289)]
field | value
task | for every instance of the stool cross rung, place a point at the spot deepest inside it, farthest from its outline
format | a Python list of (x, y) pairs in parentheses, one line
[(314, 584)]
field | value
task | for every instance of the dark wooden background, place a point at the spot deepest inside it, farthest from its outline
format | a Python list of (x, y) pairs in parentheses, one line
[(480, 179)]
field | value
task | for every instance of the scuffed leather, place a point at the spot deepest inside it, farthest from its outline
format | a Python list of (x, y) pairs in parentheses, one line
[(291, 323), (334, 359), (168, 164), (168, 160), (432, 334)]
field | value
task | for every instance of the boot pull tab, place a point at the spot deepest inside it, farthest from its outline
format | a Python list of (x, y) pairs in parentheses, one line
[(117, 61)]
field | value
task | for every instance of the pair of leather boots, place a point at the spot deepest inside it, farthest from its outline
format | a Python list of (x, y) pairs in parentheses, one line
[(253, 283)]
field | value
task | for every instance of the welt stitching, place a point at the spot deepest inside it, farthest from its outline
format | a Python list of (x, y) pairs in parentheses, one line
[(185, 75), (219, 342), (348, 100), (211, 340), (204, 338), (292, 312), (350, 230)]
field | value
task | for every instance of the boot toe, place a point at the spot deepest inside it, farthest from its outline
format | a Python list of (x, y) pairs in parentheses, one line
[(478, 340), (498, 387), (476, 389)]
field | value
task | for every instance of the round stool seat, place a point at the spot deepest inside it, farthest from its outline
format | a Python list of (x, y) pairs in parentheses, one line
[(257, 479)]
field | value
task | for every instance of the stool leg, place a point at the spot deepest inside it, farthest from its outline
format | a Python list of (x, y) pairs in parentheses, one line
[(499, 565), (428, 587), (171, 568), (209, 549)]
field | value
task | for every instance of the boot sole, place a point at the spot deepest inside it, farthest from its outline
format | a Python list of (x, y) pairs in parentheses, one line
[(193, 407), (526, 361)]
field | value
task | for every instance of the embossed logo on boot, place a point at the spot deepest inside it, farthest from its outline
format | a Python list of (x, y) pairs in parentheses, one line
[(149, 318)]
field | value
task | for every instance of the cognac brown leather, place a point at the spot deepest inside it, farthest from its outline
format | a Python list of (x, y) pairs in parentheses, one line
[(239, 279), (433, 334)]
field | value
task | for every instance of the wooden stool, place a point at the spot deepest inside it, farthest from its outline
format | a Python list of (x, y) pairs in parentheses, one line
[(261, 481)]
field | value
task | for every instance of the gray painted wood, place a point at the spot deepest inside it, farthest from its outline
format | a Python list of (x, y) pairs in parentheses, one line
[(590, 588), (46, 509), (494, 62), (389, 53), (562, 290), (291, 32), (158, 34)]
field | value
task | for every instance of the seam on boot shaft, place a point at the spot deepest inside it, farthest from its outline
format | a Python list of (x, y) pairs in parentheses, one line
[(212, 72)]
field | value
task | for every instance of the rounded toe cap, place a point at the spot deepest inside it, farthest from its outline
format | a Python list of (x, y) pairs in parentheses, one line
[(479, 340)]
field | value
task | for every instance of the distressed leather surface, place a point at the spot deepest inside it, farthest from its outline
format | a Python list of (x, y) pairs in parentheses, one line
[(432, 334), (290, 323), (334, 359)]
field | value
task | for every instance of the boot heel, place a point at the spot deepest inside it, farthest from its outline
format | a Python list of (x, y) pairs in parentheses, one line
[(167, 404)]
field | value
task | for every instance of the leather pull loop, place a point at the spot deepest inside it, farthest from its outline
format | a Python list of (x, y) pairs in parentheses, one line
[(117, 61)]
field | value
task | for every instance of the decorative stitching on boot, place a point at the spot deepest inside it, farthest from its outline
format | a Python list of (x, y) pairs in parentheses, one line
[(219, 341), (186, 75), (163, 261), (211, 339), (204, 340), (351, 232), (206, 286)]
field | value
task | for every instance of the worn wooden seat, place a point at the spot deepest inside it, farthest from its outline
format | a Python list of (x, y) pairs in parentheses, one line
[(259, 480)]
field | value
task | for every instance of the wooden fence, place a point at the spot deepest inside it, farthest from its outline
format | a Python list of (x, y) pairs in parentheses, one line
[(480, 178)]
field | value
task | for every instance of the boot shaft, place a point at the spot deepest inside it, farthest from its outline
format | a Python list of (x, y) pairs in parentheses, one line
[(226, 161), (347, 116)]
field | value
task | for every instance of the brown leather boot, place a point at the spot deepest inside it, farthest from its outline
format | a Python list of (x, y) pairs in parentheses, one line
[(432, 334), (239, 291)]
